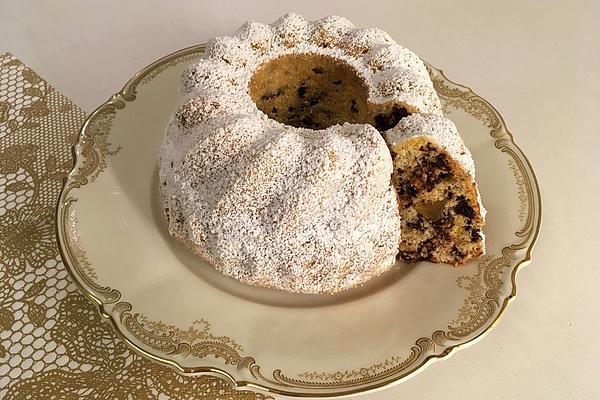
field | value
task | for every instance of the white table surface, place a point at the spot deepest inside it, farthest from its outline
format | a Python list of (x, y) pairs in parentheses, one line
[(537, 62)]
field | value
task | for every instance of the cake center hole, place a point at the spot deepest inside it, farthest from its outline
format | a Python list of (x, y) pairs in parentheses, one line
[(315, 91)]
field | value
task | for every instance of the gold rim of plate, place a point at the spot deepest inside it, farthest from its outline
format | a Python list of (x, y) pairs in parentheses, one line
[(92, 150)]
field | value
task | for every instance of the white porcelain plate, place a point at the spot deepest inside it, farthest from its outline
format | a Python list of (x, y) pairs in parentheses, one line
[(171, 306)]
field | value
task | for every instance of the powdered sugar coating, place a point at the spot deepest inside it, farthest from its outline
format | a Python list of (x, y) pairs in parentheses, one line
[(292, 29), (395, 56), (195, 110), (390, 71), (361, 41), (330, 31), (295, 209), (273, 205), (442, 131), (219, 77), (259, 36)]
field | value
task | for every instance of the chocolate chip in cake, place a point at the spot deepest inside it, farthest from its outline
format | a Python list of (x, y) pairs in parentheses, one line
[(430, 181), (463, 208), (338, 82), (386, 121), (307, 122), (301, 91), (441, 162), (425, 248), (416, 224), (353, 106), (313, 101), (427, 148), (456, 252), (475, 235), (433, 180), (274, 110), (271, 95), (406, 256), (409, 189), (317, 70)]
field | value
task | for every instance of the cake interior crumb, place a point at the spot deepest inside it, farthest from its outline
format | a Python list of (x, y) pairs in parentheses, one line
[(438, 205)]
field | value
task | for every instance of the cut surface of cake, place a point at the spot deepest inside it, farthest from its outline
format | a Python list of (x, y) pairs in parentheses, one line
[(434, 176)]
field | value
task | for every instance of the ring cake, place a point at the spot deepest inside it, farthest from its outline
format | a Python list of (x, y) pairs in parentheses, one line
[(274, 167)]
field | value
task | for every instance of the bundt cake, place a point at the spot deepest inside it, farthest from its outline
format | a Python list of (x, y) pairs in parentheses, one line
[(273, 167), (434, 176)]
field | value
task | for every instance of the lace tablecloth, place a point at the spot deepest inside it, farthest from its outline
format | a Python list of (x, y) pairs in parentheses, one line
[(53, 342)]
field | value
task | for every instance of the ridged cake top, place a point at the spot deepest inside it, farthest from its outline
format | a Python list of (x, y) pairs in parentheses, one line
[(390, 71)]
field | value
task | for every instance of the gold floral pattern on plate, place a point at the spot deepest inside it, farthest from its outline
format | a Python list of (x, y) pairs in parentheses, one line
[(482, 292)]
